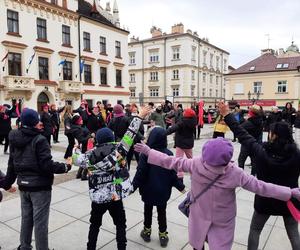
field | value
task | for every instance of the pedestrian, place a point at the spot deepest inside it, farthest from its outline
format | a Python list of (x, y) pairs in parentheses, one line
[(212, 215), (5, 124), (83, 111), (277, 162), (239, 116), (288, 113), (297, 129), (95, 120), (220, 127), (67, 119), (157, 118), (103, 112), (109, 181), (47, 123), (30, 162), (274, 116), (55, 118), (184, 136), (147, 178)]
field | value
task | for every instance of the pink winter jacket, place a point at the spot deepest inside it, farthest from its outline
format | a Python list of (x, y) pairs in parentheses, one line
[(213, 214)]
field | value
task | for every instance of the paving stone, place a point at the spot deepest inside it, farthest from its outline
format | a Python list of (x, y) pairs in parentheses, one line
[(130, 246), (10, 209), (76, 185), (9, 239), (278, 240), (60, 194)]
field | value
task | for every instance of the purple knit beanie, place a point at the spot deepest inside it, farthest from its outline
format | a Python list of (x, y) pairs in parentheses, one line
[(217, 152), (118, 111)]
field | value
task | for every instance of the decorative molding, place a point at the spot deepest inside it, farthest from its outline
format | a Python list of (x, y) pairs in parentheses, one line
[(11, 44), (119, 64), (67, 54), (106, 92), (102, 61), (43, 50), (88, 58), (45, 82)]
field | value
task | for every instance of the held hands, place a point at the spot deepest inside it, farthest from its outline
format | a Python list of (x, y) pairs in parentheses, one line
[(144, 111), (142, 148), (12, 189), (223, 108), (296, 193)]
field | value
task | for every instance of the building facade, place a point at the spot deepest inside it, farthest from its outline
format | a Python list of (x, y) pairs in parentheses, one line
[(50, 52), (179, 67), (269, 80)]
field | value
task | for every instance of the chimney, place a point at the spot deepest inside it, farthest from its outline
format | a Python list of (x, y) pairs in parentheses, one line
[(133, 39), (178, 28), (189, 32), (267, 51), (155, 32)]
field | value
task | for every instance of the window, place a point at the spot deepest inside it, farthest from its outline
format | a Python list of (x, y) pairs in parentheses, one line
[(14, 64), (252, 68), (225, 65), (279, 66), (285, 65), (67, 71), (176, 91), (239, 88), (217, 80), (119, 78), (86, 41), (257, 87), (193, 53), (192, 90), (211, 78), (211, 59), (102, 45), (43, 68), (210, 92), (175, 74), (217, 62), (193, 75), (154, 92), (87, 73), (54, 1), (131, 58), (66, 35), (217, 93), (103, 75), (132, 77), (282, 86), (154, 56), (203, 92), (41, 29), (204, 77), (132, 92), (204, 57), (118, 49), (153, 76), (12, 21), (176, 53)]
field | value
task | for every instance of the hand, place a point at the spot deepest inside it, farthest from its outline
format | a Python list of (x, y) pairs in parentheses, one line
[(223, 108), (93, 135), (144, 111), (296, 193), (69, 161), (142, 148), (12, 189)]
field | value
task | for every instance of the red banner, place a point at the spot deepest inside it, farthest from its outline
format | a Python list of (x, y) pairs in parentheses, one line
[(262, 103)]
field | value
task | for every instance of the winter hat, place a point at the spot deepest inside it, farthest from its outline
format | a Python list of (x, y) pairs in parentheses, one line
[(217, 152), (189, 113), (45, 106), (118, 110), (104, 135), (29, 118), (76, 119)]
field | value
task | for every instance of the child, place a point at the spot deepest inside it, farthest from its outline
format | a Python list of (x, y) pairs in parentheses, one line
[(220, 127), (155, 186), (212, 215), (109, 179)]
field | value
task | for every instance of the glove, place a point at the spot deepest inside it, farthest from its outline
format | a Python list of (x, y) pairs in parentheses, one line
[(296, 193), (142, 148)]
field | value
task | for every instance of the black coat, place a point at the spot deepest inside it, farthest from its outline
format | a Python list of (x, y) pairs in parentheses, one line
[(272, 118), (80, 134), (119, 126), (30, 161), (289, 115), (83, 113), (5, 124), (297, 120), (254, 126), (55, 118), (275, 164), (184, 136), (95, 122), (47, 122), (155, 183), (67, 124)]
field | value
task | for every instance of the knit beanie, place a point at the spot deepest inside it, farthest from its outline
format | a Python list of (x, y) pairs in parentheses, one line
[(189, 113), (29, 118), (104, 135), (76, 119), (217, 152), (118, 111)]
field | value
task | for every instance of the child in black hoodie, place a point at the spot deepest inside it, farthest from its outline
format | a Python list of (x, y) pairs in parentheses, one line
[(155, 186)]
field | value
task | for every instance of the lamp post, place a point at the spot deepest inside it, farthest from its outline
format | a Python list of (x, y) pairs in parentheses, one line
[(253, 98)]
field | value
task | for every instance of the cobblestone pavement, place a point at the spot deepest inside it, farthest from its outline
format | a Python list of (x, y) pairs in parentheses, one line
[(70, 208)]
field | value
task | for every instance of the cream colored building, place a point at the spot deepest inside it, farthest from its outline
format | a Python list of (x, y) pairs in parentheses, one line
[(53, 51), (269, 80), (178, 66)]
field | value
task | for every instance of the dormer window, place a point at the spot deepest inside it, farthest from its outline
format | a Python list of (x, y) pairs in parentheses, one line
[(279, 66), (285, 65), (252, 68)]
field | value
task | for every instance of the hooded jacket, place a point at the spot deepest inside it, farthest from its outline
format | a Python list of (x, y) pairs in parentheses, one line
[(30, 161), (95, 122), (47, 122), (79, 133), (119, 126), (184, 132), (254, 126), (155, 183)]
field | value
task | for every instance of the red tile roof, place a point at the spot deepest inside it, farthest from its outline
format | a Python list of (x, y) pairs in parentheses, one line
[(268, 63)]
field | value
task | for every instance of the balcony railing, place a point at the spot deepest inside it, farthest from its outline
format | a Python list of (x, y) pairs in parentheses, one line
[(70, 86), (19, 83)]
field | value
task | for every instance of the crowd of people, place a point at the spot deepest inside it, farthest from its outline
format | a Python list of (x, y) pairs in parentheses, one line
[(100, 143)]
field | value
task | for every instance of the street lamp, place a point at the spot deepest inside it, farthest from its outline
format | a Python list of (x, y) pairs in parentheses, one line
[(253, 98)]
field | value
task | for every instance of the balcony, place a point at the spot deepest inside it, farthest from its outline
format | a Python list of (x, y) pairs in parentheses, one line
[(12, 83), (71, 87)]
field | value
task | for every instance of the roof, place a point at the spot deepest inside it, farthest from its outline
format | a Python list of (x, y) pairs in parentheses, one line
[(165, 36), (268, 63), (85, 9)]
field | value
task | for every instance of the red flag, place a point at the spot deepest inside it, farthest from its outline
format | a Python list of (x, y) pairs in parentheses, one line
[(4, 58), (200, 113), (294, 211), (17, 109)]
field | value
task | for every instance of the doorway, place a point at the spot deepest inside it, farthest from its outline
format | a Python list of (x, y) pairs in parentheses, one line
[(41, 100)]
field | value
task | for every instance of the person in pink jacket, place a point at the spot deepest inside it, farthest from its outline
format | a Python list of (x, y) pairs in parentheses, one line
[(212, 215)]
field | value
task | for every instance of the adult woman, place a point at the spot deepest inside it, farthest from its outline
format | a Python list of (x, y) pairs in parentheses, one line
[(288, 113), (67, 118)]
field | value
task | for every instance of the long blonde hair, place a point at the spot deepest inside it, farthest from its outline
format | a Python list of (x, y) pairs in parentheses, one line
[(67, 111)]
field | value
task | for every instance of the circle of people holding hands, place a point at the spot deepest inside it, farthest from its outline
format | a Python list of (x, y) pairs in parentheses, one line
[(103, 140)]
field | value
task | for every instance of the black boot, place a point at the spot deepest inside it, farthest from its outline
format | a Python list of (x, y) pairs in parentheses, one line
[(84, 175), (79, 173)]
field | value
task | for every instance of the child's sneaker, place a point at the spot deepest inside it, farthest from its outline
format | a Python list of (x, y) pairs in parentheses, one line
[(164, 239), (145, 234)]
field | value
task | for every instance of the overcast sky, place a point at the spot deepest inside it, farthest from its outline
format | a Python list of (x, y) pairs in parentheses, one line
[(238, 26)]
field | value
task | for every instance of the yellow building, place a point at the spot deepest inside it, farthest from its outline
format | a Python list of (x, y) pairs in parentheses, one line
[(269, 80)]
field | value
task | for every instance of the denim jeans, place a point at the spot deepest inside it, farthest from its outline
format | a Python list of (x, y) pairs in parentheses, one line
[(35, 208), (257, 225)]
